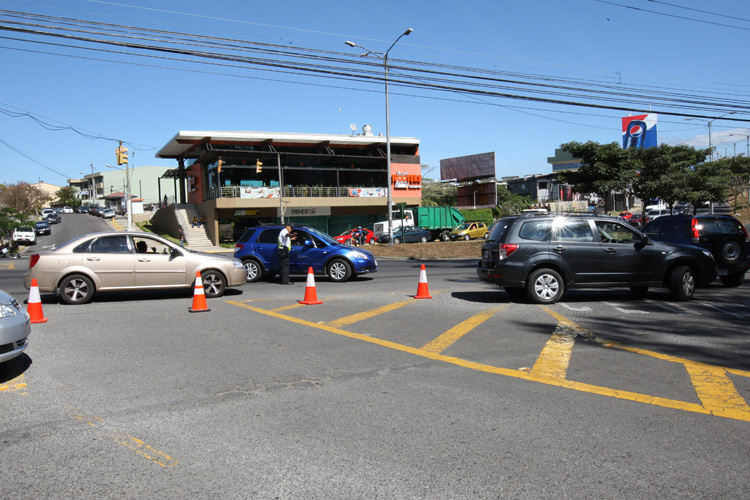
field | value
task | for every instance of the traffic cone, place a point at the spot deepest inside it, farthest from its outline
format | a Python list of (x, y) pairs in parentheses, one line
[(34, 305), (199, 296), (311, 296), (423, 291)]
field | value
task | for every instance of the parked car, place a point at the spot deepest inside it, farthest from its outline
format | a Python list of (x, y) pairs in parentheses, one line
[(407, 234), (81, 210), (45, 212), (257, 249), (346, 236), (15, 327), (540, 256), (625, 215), (469, 231), (25, 235), (53, 218), (108, 261), (636, 220), (95, 210), (655, 213), (67, 210), (723, 235), (108, 213), (42, 227)]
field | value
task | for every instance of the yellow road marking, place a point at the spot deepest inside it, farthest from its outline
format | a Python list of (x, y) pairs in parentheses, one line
[(554, 359), (354, 318), (7, 265), (540, 378), (448, 338), (129, 442), (15, 384)]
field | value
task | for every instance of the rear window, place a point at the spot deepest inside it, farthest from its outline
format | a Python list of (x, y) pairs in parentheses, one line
[(246, 236), (720, 225), (270, 236), (498, 231)]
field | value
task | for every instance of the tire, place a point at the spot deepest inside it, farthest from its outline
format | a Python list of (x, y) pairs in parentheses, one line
[(214, 283), (339, 270), (467, 237), (254, 270), (728, 251), (445, 235), (682, 283), (515, 291), (639, 291), (732, 280), (544, 286), (423, 239), (76, 289), (396, 241), (371, 242)]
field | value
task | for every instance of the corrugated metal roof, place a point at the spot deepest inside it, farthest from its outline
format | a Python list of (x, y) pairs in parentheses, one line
[(186, 140)]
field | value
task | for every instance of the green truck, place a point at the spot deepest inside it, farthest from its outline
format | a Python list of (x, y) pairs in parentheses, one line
[(440, 221)]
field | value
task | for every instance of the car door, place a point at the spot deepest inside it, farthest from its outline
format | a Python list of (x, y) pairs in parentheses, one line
[(306, 252), (111, 260), (574, 243), (159, 266), (625, 257)]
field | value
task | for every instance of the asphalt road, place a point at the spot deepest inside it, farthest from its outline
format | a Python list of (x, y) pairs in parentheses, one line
[(374, 394)]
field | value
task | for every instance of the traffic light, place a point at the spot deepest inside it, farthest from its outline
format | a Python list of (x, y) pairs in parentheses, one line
[(122, 154), (218, 168), (258, 166)]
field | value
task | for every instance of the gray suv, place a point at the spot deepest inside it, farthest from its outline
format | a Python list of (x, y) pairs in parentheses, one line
[(542, 255)]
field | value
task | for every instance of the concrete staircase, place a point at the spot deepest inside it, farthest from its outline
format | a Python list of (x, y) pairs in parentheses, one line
[(197, 237)]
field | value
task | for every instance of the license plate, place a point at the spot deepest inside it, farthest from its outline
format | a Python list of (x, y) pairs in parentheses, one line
[(486, 255)]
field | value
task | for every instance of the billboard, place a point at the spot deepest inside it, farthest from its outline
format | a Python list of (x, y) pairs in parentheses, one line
[(468, 167), (639, 131)]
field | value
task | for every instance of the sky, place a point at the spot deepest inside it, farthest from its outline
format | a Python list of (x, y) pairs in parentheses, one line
[(63, 109)]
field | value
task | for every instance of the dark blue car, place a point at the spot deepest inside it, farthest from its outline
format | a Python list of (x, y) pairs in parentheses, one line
[(257, 249)]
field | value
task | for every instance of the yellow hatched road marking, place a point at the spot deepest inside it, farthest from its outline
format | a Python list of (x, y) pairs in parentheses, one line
[(448, 338), (354, 318), (554, 359), (15, 384)]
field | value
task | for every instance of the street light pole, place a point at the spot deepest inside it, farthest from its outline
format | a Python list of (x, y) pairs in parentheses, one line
[(384, 58)]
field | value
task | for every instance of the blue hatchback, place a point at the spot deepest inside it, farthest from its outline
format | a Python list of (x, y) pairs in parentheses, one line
[(258, 247)]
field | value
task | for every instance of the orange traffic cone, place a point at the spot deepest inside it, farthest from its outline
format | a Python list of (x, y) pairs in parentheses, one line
[(423, 291), (311, 296), (199, 296), (34, 305)]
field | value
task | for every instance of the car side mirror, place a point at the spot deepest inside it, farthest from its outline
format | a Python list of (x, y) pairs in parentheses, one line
[(309, 243)]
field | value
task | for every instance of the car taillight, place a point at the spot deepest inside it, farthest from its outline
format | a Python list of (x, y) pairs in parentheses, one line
[(696, 228), (506, 250), (33, 260), (238, 247), (744, 231)]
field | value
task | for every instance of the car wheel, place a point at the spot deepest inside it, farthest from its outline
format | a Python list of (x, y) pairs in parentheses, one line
[(545, 286), (639, 291), (728, 251), (214, 283), (396, 241), (339, 270), (445, 235), (515, 291), (423, 239), (254, 271), (732, 280), (467, 237), (682, 283), (76, 289), (372, 241)]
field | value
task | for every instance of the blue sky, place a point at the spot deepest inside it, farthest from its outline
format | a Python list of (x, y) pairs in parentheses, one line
[(687, 46)]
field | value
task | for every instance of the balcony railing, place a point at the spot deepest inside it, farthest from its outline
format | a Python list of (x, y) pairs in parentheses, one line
[(290, 192)]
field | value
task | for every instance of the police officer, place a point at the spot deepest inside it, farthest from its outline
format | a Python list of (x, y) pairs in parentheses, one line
[(285, 245)]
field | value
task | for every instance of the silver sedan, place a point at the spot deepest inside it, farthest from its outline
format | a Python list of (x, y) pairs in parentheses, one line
[(120, 261), (15, 327)]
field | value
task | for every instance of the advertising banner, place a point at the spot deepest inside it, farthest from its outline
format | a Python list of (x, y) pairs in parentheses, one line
[(259, 192), (639, 131), (367, 193)]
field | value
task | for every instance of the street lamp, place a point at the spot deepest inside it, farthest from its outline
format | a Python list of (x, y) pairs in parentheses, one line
[(747, 137), (384, 57), (710, 143)]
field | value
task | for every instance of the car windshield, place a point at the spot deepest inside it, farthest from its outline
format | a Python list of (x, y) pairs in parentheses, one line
[(463, 226), (323, 236), (24, 229)]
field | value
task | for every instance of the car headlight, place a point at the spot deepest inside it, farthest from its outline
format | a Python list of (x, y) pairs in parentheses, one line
[(237, 263), (7, 311), (360, 255)]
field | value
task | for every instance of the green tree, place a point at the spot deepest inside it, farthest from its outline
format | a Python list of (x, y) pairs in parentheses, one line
[(68, 196), (606, 168), (739, 182), (669, 173), (510, 203), (439, 194), (10, 218), (711, 182)]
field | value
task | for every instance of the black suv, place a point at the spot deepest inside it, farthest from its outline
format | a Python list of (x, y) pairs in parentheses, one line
[(723, 235), (542, 255)]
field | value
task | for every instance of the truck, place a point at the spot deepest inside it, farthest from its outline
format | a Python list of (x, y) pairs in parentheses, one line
[(439, 221)]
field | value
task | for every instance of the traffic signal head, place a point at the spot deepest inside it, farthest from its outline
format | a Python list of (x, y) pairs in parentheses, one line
[(258, 166), (122, 155), (218, 168)]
